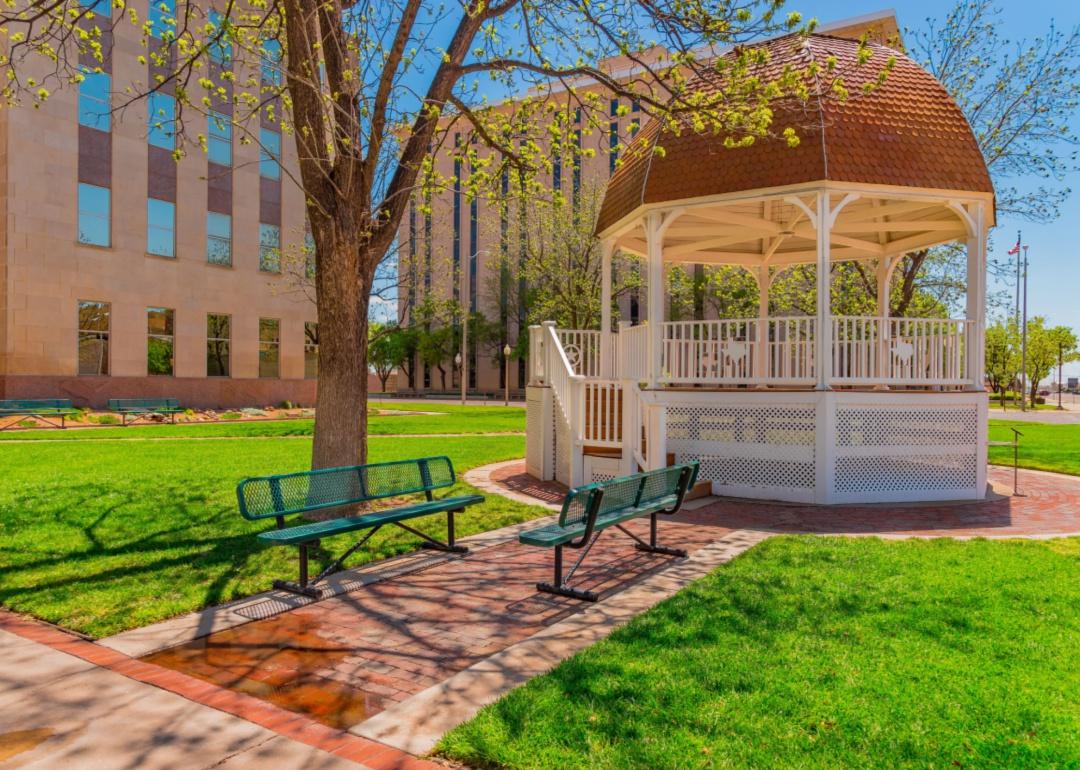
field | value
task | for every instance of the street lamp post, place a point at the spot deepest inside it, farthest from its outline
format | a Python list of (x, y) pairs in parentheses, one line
[(506, 374), (458, 360)]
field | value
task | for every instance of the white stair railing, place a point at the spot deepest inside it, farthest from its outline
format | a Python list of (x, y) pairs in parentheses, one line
[(602, 413)]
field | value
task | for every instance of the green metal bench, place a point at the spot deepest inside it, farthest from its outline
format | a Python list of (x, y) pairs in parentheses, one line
[(587, 511), (142, 408), (45, 409), (275, 497)]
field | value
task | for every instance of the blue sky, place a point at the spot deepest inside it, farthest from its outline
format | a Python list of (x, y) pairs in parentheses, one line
[(1054, 275)]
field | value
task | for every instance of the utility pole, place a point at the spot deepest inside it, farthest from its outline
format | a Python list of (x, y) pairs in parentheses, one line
[(1061, 364), (1023, 340)]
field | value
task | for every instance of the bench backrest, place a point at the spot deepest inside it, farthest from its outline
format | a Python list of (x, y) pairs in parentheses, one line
[(639, 490), (17, 404), (143, 403), (265, 497)]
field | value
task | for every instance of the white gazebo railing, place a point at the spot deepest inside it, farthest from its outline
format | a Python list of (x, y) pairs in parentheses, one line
[(865, 351)]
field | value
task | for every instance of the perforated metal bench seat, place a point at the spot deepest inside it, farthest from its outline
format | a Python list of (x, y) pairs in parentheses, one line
[(556, 534), (587, 511), (44, 409), (317, 529), (275, 497)]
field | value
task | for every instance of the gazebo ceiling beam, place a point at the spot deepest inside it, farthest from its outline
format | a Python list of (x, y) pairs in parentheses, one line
[(865, 213), (705, 245), (742, 220), (925, 226), (740, 259)]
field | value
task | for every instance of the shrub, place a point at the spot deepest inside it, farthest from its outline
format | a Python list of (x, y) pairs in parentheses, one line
[(106, 419), (230, 416)]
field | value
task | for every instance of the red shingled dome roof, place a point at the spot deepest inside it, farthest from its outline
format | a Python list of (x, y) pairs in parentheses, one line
[(908, 132)]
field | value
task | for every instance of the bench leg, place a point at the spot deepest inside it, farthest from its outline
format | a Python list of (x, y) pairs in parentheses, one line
[(560, 588), (302, 587), (430, 542), (651, 546)]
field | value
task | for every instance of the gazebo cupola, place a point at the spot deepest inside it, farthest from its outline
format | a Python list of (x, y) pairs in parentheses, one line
[(873, 177)]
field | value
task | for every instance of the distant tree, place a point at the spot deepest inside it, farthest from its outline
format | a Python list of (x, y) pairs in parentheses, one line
[(552, 270), (1002, 356), (368, 91), (390, 346), (1045, 345), (1021, 99)]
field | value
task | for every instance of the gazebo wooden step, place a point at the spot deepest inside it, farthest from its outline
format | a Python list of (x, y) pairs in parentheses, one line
[(601, 451)]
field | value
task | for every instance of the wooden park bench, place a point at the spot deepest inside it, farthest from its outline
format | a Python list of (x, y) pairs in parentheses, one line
[(143, 408), (275, 497), (48, 410), (587, 511)]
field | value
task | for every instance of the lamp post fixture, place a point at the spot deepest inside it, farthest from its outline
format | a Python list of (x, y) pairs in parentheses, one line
[(458, 360), (506, 374)]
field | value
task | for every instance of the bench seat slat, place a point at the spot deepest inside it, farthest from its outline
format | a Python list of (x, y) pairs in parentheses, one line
[(555, 534), (317, 529)]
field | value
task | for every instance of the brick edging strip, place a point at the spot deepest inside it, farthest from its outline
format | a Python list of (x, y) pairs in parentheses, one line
[(372, 754)]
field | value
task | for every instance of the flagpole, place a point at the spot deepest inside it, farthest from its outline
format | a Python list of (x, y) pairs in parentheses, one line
[(1016, 250), (1023, 343)]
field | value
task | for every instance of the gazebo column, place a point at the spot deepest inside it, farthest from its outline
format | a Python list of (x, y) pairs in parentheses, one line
[(823, 331), (607, 248), (974, 356), (885, 268), (761, 333), (655, 310)]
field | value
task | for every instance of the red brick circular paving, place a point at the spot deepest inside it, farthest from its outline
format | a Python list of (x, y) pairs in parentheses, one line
[(1048, 506)]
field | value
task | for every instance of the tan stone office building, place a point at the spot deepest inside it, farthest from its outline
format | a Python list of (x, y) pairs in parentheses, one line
[(125, 274), (450, 249)]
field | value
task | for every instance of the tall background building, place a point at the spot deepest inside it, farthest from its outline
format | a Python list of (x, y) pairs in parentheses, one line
[(453, 245), (124, 273)]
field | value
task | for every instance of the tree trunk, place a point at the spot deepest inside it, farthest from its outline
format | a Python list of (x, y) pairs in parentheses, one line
[(341, 403)]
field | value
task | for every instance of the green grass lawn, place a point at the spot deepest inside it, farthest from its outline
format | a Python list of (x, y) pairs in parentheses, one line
[(446, 419), (104, 536), (1043, 446), (820, 653)]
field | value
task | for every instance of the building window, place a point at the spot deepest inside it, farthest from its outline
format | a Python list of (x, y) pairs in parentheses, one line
[(269, 154), (99, 7), (218, 45), (94, 103), (271, 63), (159, 341), (309, 255), (94, 214), (161, 121), (160, 227), (311, 350), (94, 338), (270, 248), (219, 143), (218, 238), (162, 18), (269, 347), (218, 337)]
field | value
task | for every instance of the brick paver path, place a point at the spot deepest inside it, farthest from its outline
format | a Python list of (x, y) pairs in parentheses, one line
[(344, 659), (1049, 505), (347, 658)]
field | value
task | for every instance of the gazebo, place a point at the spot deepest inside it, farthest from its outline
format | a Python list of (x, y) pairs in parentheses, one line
[(823, 408)]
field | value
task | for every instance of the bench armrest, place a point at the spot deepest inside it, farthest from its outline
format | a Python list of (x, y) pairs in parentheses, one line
[(590, 519)]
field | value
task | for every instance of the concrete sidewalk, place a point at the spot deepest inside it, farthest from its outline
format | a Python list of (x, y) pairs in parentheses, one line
[(69, 703), (57, 710)]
